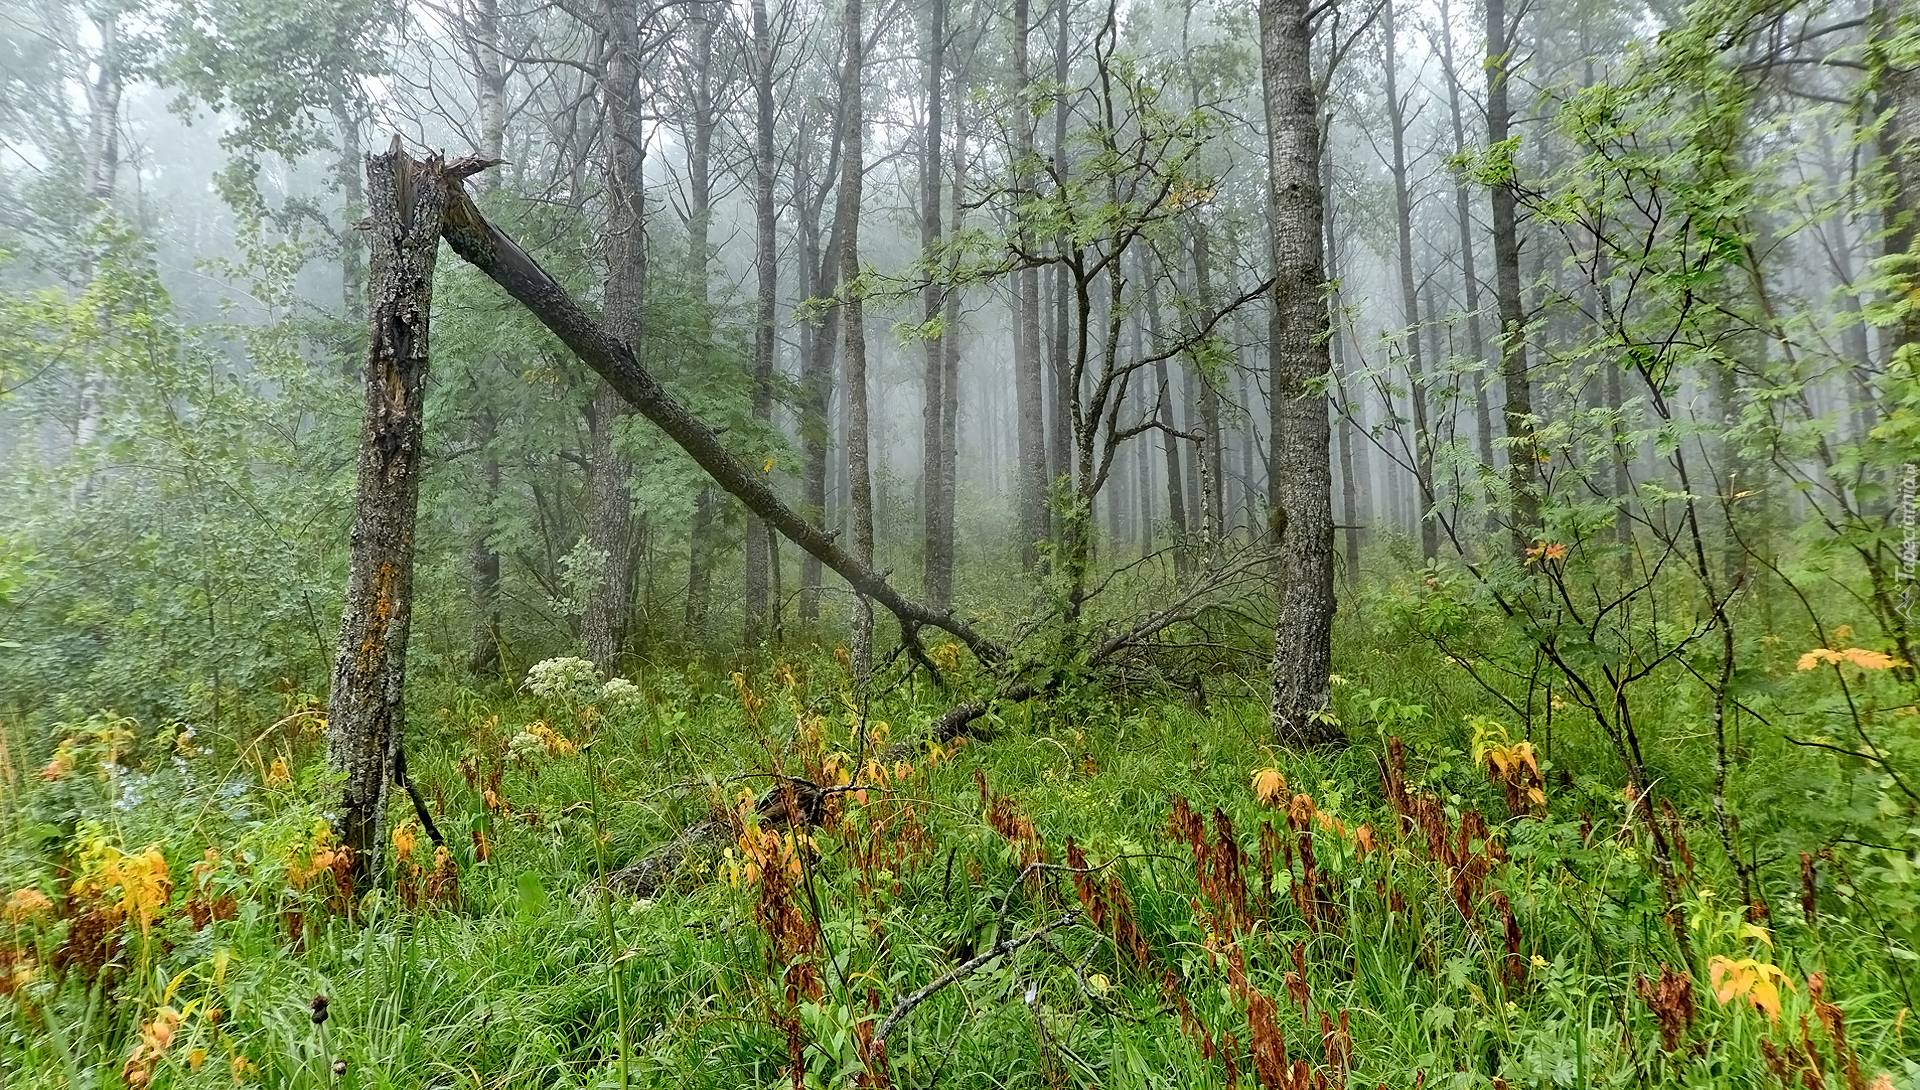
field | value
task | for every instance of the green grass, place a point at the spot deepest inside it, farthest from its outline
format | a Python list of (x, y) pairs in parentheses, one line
[(527, 978)]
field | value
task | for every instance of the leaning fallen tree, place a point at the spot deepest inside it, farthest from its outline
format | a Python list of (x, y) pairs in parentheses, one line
[(412, 205), (491, 250)]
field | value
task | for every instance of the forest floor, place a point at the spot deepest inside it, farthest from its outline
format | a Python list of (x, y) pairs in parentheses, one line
[(1107, 892)]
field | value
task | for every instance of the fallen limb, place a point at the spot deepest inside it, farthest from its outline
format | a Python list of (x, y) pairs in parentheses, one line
[(788, 802), (489, 249), (953, 723), (964, 969)]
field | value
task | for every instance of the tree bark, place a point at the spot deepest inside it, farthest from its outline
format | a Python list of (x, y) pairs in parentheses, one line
[(847, 219), (485, 49), (937, 573), (702, 119), (1469, 278), (1506, 267), (608, 610), (761, 554), (1031, 492), (942, 541), (366, 712), (1409, 289), (817, 269), (1300, 477)]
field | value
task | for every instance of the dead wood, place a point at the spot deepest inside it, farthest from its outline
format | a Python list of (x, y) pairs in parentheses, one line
[(492, 251), (791, 801)]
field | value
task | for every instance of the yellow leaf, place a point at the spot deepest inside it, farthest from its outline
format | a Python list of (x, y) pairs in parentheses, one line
[(1755, 931), (1269, 785), (1871, 660)]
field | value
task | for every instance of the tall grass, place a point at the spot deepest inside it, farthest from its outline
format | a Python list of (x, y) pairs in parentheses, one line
[(1239, 916)]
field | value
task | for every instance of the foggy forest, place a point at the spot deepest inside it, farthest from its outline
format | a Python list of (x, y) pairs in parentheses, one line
[(1297, 544)]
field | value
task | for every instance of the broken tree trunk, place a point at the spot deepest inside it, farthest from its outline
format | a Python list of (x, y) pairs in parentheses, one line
[(407, 202), (792, 801), (493, 252)]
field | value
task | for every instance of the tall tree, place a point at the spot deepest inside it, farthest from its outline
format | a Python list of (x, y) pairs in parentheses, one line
[(1061, 393), (1031, 489), (818, 265), (486, 52), (1506, 270), (608, 609), (847, 222), (938, 574), (762, 555), (1469, 277), (1409, 287), (701, 118), (940, 541), (1301, 485)]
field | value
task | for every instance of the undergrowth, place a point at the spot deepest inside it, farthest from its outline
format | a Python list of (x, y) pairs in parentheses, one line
[(1111, 892)]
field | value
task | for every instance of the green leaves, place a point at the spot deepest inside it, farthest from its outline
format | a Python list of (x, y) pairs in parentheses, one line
[(279, 68)]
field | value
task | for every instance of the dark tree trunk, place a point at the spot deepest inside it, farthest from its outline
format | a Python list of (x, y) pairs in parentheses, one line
[(941, 544), (1351, 515), (1300, 476), (366, 709), (702, 118), (761, 552), (1469, 277), (1029, 388), (818, 267), (484, 53), (937, 574), (1506, 269), (1409, 290), (847, 222), (608, 610)]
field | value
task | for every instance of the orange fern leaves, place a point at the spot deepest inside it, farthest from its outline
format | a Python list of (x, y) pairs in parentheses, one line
[(1858, 656)]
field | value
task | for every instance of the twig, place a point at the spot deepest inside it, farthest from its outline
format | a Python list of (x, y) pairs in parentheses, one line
[(966, 968)]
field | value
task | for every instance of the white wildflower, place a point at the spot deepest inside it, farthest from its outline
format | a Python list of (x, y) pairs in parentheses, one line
[(620, 695), (564, 679)]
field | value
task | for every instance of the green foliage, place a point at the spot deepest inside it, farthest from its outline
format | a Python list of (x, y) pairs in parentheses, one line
[(1539, 976), (276, 69), (194, 469)]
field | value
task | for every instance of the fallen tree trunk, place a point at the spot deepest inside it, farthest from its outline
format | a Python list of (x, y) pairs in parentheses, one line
[(495, 253), (791, 801)]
